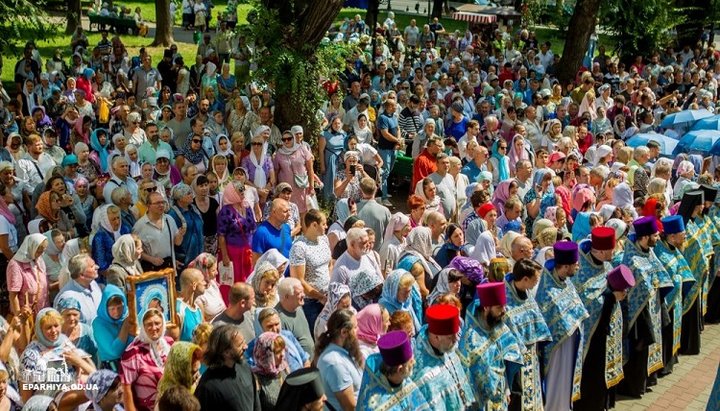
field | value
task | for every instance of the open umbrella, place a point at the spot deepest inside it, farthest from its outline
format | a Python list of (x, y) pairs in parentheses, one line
[(667, 144), (685, 116), (710, 123), (699, 141)]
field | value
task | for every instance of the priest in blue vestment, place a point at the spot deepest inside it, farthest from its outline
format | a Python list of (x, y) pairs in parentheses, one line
[(523, 317), (602, 364), (564, 313), (438, 371), (386, 383), (488, 349)]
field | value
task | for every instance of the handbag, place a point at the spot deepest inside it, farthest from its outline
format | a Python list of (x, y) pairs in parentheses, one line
[(301, 181), (226, 273)]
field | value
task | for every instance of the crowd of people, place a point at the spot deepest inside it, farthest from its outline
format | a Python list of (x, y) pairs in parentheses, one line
[(542, 264)]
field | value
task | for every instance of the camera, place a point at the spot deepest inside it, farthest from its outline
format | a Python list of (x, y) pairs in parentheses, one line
[(352, 169)]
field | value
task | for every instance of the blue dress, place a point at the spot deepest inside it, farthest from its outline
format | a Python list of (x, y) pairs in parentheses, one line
[(101, 247), (335, 143)]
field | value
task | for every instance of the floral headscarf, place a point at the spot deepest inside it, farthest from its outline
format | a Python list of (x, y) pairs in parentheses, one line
[(103, 380), (264, 356), (336, 292), (362, 283), (159, 349), (178, 368)]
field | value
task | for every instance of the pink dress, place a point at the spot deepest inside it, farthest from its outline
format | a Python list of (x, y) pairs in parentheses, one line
[(30, 282), (141, 372), (287, 166)]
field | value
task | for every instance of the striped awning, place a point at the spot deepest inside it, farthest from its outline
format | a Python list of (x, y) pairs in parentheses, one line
[(474, 17)]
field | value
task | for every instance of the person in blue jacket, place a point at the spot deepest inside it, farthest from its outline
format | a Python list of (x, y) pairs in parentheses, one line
[(113, 328)]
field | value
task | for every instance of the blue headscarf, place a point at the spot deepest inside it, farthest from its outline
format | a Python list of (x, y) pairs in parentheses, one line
[(389, 299), (68, 303), (100, 149), (503, 162), (109, 292), (88, 73), (40, 337), (581, 226)]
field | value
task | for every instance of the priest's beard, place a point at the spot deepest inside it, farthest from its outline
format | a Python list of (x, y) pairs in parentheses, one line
[(493, 321)]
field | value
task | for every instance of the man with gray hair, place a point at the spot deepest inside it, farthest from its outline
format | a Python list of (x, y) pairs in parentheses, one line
[(355, 259), (120, 177), (82, 288), (292, 316), (638, 177)]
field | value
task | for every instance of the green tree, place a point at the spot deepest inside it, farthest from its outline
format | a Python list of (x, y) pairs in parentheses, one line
[(640, 27), (582, 25), (287, 36), (22, 20)]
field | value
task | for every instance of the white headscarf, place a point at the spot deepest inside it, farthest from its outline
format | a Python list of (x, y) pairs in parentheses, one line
[(397, 222), (260, 178), (123, 252), (105, 222), (484, 250), (159, 349), (28, 248)]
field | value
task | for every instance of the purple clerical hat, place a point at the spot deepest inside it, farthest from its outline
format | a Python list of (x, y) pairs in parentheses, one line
[(395, 348)]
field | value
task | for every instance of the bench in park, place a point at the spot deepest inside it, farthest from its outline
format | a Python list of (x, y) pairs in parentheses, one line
[(116, 24)]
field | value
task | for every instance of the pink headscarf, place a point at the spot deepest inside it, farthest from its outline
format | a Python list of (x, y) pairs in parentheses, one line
[(370, 324), (564, 194), (514, 155), (501, 194), (5, 211), (231, 196), (581, 196), (264, 356)]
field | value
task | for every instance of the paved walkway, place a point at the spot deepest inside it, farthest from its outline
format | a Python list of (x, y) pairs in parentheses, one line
[(688, 387)]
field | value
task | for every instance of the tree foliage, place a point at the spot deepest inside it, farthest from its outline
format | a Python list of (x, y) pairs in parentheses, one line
[(640, 27), (22, 20), (287, 36)]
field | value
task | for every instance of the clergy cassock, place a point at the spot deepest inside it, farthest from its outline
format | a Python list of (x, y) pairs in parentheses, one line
[(711, 288), (524, 318), (491, 354), (685, 289), (440, 376), (603, 361), (376, 393), (644, 310), (564, 313), (714, 400), (692, 251)]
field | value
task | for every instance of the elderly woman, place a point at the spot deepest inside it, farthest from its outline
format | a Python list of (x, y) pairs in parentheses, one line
[(259, 164), (210, 301), (54, 259), (347, 180), (108, 232), (416, 258), (27, 276), (270, 368), (264, 283), (143, 361), (330, 145), (338, 299), (235, 228), (164, 173), (294, 165), (422, 137), (79, 333), (393, 243), (187, 216), (51, 349), (126, 254), (401, 293), (241, 119), (86, 165), (373, 322), (269, 321)]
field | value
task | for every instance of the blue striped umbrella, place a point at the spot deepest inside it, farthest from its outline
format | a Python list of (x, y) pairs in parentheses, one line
[(667, 144), (710, 123), (697, 141), (685, 116)]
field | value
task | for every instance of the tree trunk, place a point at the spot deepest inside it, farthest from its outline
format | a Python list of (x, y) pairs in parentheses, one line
[(371, 16), (74, 13), (163, 24), (437, 9), (582, 25)]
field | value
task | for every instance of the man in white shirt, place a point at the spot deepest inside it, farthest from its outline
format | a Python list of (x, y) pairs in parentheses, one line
[(35, 164), (355, 259)]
